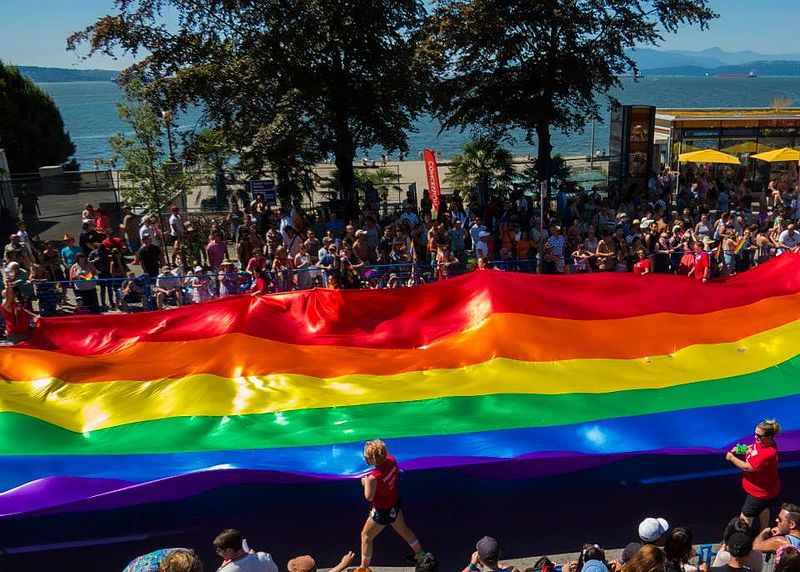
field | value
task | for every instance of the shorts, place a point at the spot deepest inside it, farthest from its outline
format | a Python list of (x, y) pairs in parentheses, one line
[(752, 506), (386, 516)]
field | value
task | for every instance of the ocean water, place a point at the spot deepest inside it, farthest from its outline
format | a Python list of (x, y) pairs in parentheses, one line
[(90, 115)]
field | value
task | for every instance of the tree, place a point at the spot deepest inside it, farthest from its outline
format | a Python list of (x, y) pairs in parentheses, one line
[(483, 161), (558, 170), (539, 65), (287, 80), (155, 180), (31, 128)]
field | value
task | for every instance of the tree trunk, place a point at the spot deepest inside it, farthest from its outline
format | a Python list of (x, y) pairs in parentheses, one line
[(344, 156), (543, 155)]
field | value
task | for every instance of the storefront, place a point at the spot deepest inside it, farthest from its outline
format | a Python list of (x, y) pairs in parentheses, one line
[(741, 132)]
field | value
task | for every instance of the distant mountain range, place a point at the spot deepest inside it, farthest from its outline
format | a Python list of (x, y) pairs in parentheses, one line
[(651, 62), (45, 75), (712, 61)]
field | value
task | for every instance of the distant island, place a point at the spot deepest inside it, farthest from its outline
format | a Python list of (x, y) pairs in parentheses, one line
[(651, 63), (47, 75), (760, 68)]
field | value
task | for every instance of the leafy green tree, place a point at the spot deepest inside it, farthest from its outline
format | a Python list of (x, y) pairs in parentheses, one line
[(483, 160), (31, 128), (152, 180), (288, 80), (558, 170), (539, 65)]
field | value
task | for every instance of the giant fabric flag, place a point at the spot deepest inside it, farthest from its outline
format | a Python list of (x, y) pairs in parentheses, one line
[(487, 369)]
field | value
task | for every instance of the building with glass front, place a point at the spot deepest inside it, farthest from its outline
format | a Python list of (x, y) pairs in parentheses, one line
[(741, 132)]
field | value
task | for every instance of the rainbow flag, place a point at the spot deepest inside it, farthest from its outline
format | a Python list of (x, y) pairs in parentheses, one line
[(739, 246), (487, 368)]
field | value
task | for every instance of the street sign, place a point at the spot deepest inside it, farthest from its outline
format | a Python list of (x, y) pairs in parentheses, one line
[(265, 188)]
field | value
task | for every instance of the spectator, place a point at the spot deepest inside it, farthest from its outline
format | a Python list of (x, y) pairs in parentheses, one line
[(739, 546), (167, 284), (130, 229), (229, 280), (229, 545), (175, 224), (787, 559), (166, 560), (69, 252), (786, 532), (679, 550), (17, 319), (754, 561), (649, 558), (199, 286), (217, 251), (487, 555), (131, 292), (308, 564), (701, 269), (149, 257)]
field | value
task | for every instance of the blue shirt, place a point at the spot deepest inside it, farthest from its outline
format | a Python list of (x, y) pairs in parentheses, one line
[(68, 254)]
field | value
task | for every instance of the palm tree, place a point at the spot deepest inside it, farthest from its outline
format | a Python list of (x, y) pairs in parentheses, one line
[(483, 160)]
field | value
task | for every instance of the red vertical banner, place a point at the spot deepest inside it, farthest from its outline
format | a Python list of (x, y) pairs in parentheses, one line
[(432, 172)]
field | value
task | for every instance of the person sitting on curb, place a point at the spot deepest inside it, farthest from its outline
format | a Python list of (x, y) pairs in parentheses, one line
[(308, 564), (237, 557), (487, 557), (739, 545), (787, 531)]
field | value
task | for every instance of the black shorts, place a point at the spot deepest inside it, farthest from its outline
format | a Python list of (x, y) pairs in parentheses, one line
[(752, 506), (386, 516)]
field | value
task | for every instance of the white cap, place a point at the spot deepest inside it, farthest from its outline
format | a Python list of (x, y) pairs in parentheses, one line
[(650, 529)]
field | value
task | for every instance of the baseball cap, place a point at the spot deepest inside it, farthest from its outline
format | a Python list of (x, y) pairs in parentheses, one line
[(488, 549), (629, 551), (302, 564), (198, 268), (739, 544), (594, 566), (651, 529)]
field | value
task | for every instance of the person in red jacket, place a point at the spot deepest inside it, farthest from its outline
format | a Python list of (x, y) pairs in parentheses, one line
[(380, 488), (760, 472)]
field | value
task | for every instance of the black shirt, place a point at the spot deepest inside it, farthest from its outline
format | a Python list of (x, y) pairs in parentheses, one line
[(149, 256)]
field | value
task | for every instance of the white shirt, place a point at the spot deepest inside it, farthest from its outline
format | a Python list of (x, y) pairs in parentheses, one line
[(482, 249), (790, 240), (175, 224), (258, 562), (475, 233)]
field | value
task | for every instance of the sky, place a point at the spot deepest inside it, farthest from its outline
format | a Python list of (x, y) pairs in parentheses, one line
[(34, 32)]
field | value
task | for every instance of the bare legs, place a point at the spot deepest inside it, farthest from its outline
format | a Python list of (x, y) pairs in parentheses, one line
[(372, 529)]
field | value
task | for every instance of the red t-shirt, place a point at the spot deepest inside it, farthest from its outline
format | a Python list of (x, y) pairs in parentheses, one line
[(641, 266), (17, 320), (386, 475), (700, 265), (763, 482)]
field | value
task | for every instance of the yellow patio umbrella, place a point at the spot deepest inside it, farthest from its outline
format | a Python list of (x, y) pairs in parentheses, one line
[(787, 154), (748, 147), (708, 156)]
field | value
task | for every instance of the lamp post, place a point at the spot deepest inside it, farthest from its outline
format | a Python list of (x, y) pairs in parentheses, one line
[(167, 115)]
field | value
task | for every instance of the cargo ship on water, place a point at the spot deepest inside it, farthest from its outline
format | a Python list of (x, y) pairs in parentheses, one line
[(735, 75)]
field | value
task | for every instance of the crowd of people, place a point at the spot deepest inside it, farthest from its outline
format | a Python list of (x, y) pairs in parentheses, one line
[(149, 262), (747, 541)]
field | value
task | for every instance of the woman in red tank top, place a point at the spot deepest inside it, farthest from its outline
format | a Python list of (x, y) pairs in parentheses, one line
[(15, 316), (380, 489)]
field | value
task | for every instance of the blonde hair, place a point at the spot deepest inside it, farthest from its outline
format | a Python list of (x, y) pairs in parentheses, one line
[(181, 561), (375, 452), (770, 427)]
